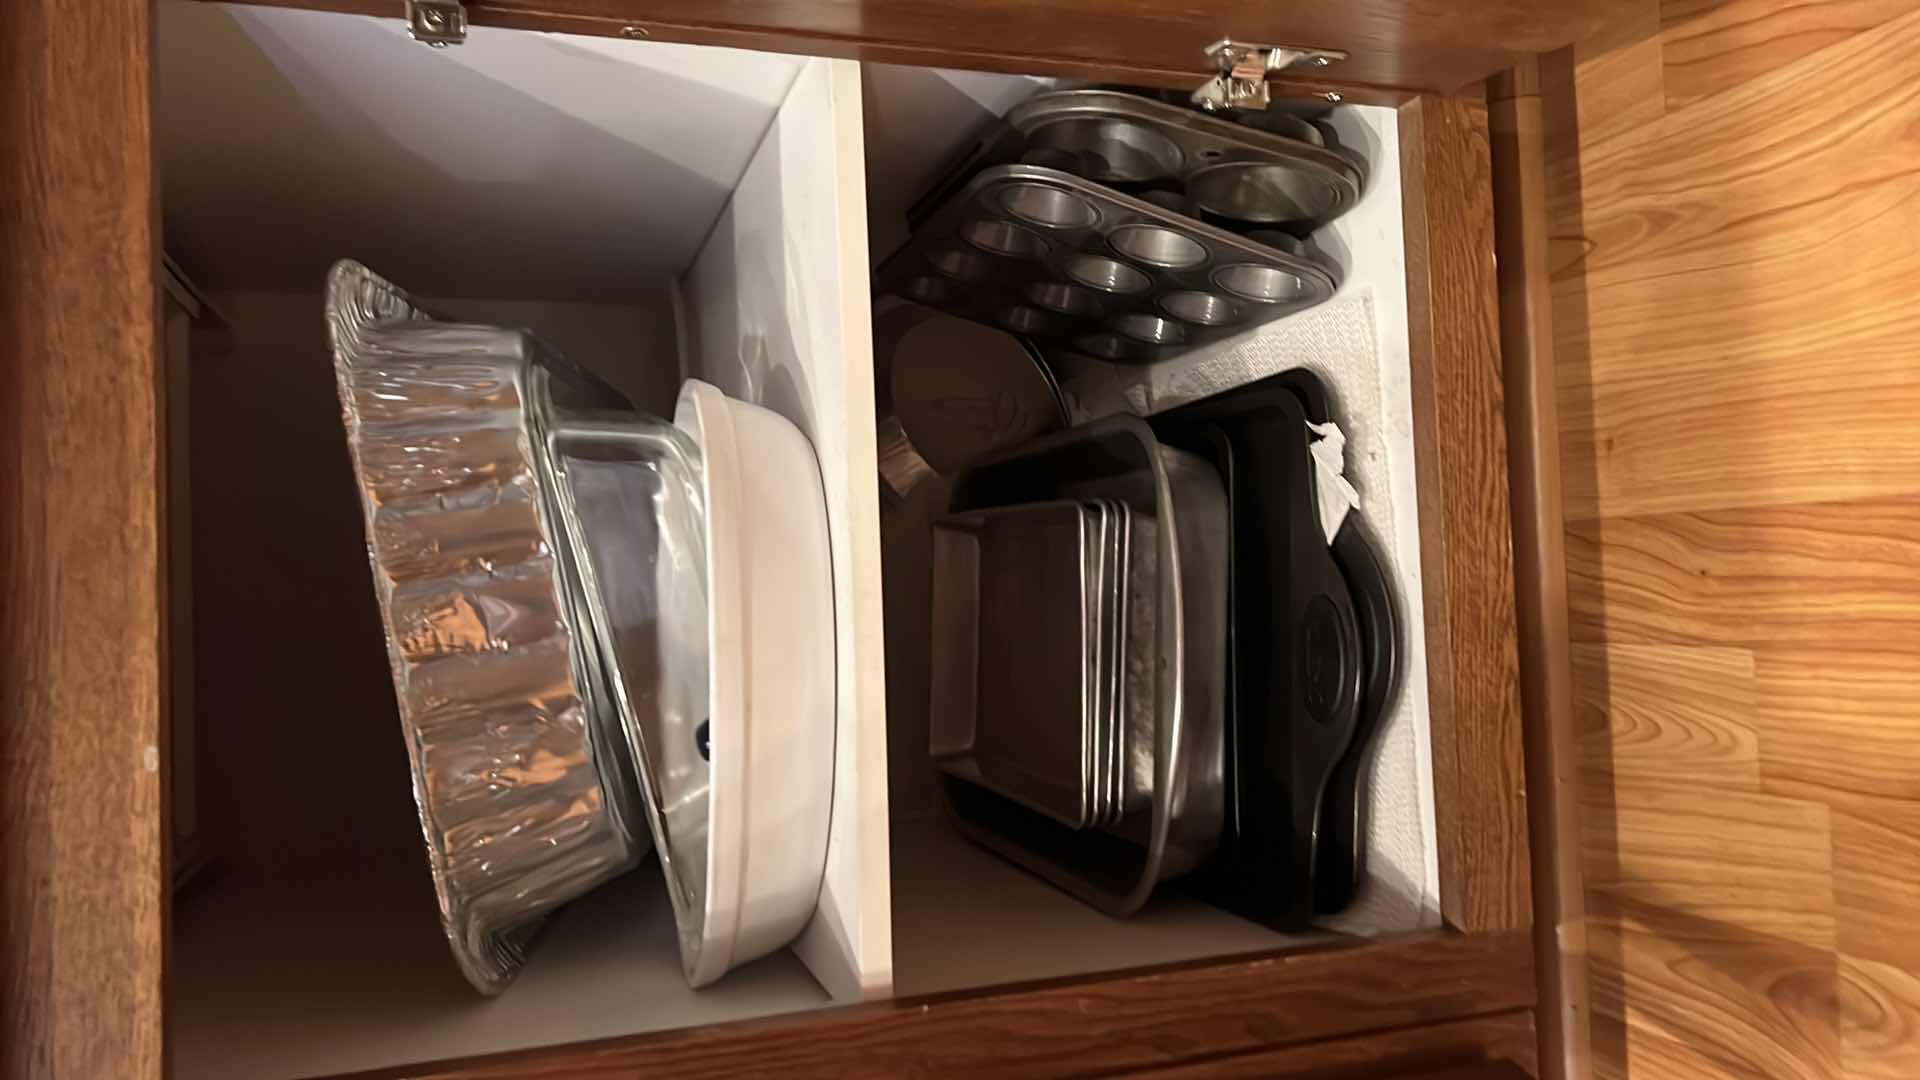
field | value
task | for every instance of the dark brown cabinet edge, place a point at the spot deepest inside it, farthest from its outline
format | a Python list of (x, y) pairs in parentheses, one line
[(852, 46), (1409, 45), (1546, 674), (1478, 1046), (1466, 546), (82, 865), (1107, 1024)]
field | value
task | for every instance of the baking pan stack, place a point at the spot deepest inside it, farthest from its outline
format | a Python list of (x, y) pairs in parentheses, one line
[(1152, 656), (1036, 711), (1078, 691)]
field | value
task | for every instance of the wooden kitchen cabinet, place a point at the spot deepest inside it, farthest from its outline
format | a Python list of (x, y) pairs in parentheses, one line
[(87, 952)]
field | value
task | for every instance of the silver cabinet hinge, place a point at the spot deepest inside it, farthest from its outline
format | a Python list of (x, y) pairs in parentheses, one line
[(438, 23), (1244, 67)]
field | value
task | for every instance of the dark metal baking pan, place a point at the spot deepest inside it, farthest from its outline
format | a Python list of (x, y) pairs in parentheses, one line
[(1301, 669), (1340, 863)]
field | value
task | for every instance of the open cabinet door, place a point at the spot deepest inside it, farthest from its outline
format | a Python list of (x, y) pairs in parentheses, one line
[(81, 605), (776, 310)]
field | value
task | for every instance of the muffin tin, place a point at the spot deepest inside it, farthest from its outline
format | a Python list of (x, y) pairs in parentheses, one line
[(1068, 261), (1283, 176)]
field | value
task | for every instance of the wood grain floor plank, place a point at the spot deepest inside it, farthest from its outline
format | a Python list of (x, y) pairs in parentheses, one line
[(1876, 882), (1724, 252), (1879, 1020), (1783, 430), (1665, 712), (1756, 864), (1620, 74), (1608, 85), (1737, 377), (1753, 172), (1624, 1050), (1751, 1006), (1712, 45), (1842, 723), (1838, 575)]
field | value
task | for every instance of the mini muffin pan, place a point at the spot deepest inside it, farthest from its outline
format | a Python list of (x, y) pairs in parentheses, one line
[(1068, 261), (1280, 177)]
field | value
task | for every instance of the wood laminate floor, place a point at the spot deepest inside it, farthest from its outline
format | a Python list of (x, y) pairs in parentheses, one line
[(1736, 222)]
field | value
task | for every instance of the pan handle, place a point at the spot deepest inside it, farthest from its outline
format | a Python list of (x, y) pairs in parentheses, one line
[(1341, 847)]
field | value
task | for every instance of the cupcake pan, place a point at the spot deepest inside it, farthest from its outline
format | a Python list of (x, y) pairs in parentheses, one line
[(1282, 176), (1270, 171), (1068, 261)]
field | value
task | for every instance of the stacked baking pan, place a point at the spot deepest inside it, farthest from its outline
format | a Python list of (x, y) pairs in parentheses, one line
[(1196, 694), (1125, 228), (1040, 716), (1078, 685)]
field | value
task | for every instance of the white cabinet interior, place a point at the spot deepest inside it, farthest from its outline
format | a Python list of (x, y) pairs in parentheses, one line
[(655, 211), (775, 311)]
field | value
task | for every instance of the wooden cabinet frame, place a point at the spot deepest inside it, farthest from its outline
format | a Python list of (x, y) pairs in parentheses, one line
[(85, 894)]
